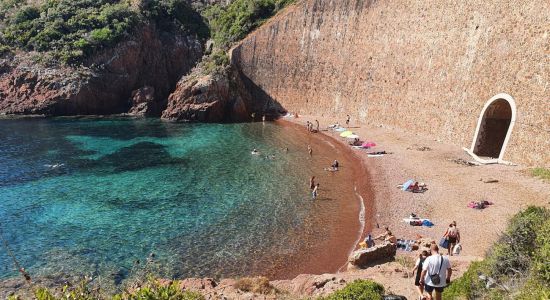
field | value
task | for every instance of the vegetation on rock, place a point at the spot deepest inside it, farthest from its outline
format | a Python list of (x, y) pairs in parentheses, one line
[(517, 265), (358, 290), (231, 23), (152, 290), (70, 30)]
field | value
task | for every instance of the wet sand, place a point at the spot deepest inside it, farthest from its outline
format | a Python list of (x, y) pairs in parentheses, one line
[(345, 198)]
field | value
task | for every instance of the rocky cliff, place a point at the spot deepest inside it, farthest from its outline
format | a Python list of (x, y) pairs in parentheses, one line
[(221, 96), (423, 66), (114, 81)]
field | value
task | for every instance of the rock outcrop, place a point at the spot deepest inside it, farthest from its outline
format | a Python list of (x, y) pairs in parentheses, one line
[(105, 83), (363, 258), (221, 96)]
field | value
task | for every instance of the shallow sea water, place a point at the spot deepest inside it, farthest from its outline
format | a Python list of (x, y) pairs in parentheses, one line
[(192, 194)]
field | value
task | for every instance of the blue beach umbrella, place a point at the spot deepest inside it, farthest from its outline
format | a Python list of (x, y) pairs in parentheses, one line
[(407, 184)]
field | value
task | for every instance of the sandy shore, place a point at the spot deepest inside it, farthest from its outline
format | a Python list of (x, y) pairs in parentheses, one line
[(451, 187)]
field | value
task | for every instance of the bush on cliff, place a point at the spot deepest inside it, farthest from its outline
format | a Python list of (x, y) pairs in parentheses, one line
[(233, 22), (518, 263), (71, 30), (358, 290)]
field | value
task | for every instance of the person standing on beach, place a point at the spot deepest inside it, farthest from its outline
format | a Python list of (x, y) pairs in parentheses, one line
[(453, 236), (436, 273), (309, 150), (312, 183), (347, 120), (418, 268), (317, 121), (314, 192)]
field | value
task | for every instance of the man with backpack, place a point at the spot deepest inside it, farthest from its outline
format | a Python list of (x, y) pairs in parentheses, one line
[(436, 273)]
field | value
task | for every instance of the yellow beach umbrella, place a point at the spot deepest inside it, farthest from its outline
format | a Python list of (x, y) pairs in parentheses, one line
[(346, 133)]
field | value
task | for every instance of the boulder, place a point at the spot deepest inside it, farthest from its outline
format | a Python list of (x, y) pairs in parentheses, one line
[(143, 102), (366, 257)]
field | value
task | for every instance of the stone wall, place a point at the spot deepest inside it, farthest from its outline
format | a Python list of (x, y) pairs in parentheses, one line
[(425, 66)]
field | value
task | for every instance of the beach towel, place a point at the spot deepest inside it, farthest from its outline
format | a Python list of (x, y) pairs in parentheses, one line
[(427, 223), (407, 184)]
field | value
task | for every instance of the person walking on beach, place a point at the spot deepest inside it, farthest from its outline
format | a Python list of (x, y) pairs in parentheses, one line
[(314, 192), (453, 236), (309, 150), (312, 182), (347, 120), (436, 273), (418, 268)]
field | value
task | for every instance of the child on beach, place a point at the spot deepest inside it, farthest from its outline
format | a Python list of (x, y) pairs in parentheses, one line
[(314, 192)]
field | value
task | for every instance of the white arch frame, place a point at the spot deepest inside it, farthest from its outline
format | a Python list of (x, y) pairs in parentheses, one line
[(512, 103)]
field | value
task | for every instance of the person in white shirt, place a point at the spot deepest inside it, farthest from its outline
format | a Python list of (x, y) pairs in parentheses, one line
[(436, 273)]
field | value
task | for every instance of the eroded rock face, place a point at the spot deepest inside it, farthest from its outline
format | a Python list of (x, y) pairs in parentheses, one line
[(143, 102), (219, 97), (366, 257), (105, 83)]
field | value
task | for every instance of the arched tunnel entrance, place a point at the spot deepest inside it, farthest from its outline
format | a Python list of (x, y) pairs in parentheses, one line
[(494, 128)]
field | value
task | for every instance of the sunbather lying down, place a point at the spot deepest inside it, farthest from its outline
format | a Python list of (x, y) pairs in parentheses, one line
[(415, 188), (379, 152)]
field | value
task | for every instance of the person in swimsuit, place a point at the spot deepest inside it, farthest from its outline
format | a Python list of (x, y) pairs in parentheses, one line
[(453, 235), (309, 150), (314, 192)]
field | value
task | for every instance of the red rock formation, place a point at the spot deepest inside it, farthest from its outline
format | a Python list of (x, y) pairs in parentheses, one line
[(106, 82), (219, 97)]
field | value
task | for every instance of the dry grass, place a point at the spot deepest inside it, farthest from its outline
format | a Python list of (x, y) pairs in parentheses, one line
[(543, 173), (258, 285)]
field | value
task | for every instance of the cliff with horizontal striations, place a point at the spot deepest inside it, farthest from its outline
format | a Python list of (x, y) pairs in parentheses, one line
[(427, 67)]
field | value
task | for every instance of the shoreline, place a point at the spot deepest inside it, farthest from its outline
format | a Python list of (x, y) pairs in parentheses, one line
[(451, 186), (333, 255)]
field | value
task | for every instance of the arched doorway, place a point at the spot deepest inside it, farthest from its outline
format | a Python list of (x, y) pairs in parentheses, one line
[(494, 128)]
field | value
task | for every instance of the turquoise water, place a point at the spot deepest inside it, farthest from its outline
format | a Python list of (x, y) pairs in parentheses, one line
[(192, 194)]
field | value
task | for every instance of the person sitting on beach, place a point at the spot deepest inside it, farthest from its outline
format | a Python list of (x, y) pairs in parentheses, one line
[(255, 152), (387, 236), (335, 165), (390, 238), (333, 126), (367, 243), (357, 142)]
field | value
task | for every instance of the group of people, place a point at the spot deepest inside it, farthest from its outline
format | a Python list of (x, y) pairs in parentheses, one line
[(310, 128), (433, 273)]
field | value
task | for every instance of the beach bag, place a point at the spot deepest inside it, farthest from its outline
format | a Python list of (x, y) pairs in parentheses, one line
[(435, 277), (444, 243), (457, 248)]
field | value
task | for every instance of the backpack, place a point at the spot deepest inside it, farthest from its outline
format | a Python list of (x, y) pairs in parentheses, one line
[(435, 277)]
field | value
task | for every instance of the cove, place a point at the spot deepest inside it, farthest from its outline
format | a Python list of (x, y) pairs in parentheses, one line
[(191, 194)]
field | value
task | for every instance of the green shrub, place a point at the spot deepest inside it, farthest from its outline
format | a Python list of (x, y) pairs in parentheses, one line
[(358, 290), (155, 291), (466, 286), (74, 29), (519, 261), (234, 21)]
